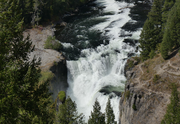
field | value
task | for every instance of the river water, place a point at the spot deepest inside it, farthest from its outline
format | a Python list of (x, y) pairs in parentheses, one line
[(97, 42)]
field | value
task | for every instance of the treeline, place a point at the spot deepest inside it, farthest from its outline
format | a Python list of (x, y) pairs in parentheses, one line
[(38, 11), (161, 31), (67, 113)]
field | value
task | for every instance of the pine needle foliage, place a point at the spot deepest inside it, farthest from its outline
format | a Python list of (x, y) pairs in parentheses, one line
[(110, 118), (97, 117), (151, 34), (68, 113), (171, 37), (172, 115), (22, 99), (168, 4)]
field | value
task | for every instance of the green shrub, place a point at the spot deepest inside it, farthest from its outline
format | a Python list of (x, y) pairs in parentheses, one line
[(52, 43), (55, 63), (152, 54), (138, 59), (62, 96), (134, 107), (127, 94), (156, 78), (130, 64), (45, 76)]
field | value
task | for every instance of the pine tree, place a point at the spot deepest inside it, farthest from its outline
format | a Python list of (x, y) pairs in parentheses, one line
[(109, 114), (172, 115), (168, 4), (97, 117), (151, 34), (145, 39), (171, 37), (36, 13), (165, 47), (22, 98), (68, 113), (27, 9)]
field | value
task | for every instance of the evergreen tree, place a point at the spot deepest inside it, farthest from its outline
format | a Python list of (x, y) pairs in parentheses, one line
[(36, 13), (109, 113), (168, 4), (97, 117), (165, 47), (27, 9), (172, 115), (22, 98), (68, 113), (171, 37), (145, 39), (151, 34)]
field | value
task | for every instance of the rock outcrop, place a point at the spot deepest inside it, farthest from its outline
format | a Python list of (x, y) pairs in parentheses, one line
[(147, 90), (51, 60)]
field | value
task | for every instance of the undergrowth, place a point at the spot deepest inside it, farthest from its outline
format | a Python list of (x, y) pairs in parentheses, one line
[(52, 43)]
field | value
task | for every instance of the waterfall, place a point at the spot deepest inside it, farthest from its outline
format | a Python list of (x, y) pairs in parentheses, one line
[(99, 66)]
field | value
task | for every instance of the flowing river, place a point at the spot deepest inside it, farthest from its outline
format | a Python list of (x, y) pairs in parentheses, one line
[(97, 42)]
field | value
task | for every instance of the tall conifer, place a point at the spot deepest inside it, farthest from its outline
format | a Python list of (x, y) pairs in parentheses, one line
[(172, 115), (109, 113), (22, 98), (97, 117), (168, 4), (171, 37), (146, 39), (151, 34), (68, 113)]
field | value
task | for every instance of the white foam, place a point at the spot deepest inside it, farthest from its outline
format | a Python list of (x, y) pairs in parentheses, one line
[(67, 45), (88, 75)]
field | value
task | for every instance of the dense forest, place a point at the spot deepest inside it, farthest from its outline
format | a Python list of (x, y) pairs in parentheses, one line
[(161, 32)]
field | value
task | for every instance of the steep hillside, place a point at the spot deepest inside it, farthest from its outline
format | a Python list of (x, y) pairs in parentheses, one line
[(147, 90)]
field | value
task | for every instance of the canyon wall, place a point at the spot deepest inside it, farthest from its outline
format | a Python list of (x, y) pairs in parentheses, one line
[(148, 89)]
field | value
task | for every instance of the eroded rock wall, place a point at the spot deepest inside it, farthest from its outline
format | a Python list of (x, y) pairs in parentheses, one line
[(147, 91)]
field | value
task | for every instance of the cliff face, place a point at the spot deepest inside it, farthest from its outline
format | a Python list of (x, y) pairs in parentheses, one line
[(59, 82), (51, 60), (147, 90)]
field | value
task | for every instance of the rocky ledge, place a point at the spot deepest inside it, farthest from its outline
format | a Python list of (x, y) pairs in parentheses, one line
[(147, 90), (51, 60)]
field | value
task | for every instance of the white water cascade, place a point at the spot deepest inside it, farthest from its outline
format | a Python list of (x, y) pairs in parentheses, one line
[(92, 72)]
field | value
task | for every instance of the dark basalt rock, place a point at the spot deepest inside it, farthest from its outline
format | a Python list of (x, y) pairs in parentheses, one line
[(59, 82), (131, 42), (117, 51), (108, 90), (131, 54)]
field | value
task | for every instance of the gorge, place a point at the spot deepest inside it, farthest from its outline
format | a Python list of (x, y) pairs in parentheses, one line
[(90, 61), (96, 43)]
